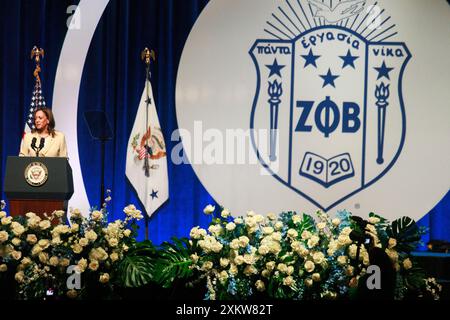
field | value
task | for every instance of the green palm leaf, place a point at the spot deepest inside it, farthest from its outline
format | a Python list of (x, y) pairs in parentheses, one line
[(406, 232), (135, 271)]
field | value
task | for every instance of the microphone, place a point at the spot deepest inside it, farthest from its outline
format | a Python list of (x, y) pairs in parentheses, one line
[(33, 143), (41, 144)]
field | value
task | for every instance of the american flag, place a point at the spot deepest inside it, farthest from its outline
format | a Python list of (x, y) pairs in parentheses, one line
[(37, 101)]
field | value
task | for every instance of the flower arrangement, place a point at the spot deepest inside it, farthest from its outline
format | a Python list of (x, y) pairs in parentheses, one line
[(40, 254), (297, 257)]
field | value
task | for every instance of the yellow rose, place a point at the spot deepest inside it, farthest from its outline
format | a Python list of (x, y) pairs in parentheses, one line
[(250, 270), (223, 276), (292, 233), (306, 235), (270, 265), (313, 241), (349, 270), (374, 220), (263, 250), (271, 216), (238, 221), (318, 257), (2, 214), (36, 250), (3, 268), (16, 241), (44, 243), (113, 242), (243, 241), (321, 225), (239, 260), (233, 269), (282, 267), (290, 270), (75, 228), (104, 278), (82, 265), (309, 282), (26, 261)]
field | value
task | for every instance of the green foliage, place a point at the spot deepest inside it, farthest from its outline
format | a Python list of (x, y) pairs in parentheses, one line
[(172, 262), (406, 232)]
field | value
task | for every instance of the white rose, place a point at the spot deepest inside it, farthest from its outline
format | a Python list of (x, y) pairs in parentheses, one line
[(336, 222), (265, 273), (77, 248), (225, 213), (209, 209), (224, 262), (392, 243), (270, 265), (374, 220), (407, 264), (113, 242), (342, 260), (104, 278), (3, 236), (208, 265), (233, 269), (309, 266), (243, 241), (230, 226), (83, 242), (260, 286), (54, 261), (318, 257), (45, 224), (316, 277), (292, 233), (282, 267), (288, 281), (321, 225), (278, 226), (238, 260), (93, 265), (263, 250), (6, 220), (306, 235), (114, 256), (91, 235), (16, 255)]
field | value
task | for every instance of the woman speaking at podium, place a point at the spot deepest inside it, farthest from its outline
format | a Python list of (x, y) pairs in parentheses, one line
[(44, 140)]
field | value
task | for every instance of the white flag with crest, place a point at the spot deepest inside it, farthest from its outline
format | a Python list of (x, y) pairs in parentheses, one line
[(146, 166)]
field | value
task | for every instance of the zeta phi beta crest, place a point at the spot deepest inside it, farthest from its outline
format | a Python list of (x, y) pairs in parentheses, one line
[(329, 93)]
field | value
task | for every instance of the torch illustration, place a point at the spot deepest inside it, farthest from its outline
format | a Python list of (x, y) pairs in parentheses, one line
[(275, 91), (382, 95)]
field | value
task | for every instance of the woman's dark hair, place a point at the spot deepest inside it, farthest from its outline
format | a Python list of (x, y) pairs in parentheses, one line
[(51, 119)]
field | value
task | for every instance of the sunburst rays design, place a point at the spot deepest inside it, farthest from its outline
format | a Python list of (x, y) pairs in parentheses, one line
[(294, 17)]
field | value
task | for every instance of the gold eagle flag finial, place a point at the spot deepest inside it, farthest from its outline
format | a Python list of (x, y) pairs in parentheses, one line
[(37, 54), (148, 55)]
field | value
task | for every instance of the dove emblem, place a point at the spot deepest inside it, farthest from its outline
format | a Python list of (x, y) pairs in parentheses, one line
[(341, 11)]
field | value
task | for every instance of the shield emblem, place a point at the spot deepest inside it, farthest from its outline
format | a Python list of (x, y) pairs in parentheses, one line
[(330, 103)]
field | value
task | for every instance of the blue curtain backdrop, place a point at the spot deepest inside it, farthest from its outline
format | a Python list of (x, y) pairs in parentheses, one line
[(113, 80)]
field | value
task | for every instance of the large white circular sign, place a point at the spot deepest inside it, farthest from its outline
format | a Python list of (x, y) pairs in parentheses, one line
[(345, 105)]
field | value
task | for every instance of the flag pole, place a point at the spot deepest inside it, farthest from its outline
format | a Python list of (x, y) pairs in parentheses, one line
[(147, 55)]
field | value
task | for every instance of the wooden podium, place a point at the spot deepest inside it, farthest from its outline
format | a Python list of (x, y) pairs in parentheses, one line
[(40, 185)]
